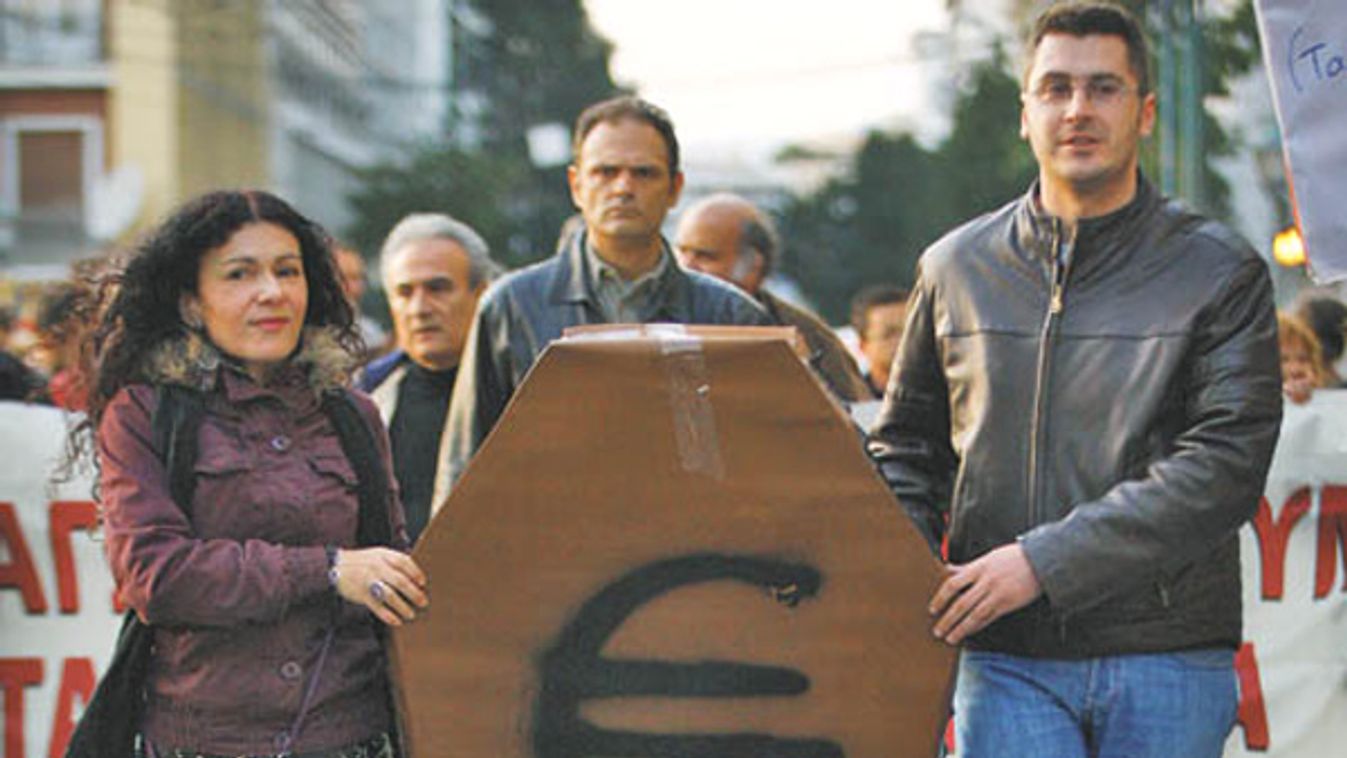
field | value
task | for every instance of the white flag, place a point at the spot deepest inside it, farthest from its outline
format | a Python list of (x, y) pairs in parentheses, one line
[(1305, 51)]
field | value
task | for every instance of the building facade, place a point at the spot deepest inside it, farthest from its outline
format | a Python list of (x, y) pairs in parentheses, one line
[(114, 111)]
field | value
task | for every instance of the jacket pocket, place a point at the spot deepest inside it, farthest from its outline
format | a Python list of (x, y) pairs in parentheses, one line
[(333, 505), (1148, 601), (334, 468), (222, 492), (221, 451), (219, 461)]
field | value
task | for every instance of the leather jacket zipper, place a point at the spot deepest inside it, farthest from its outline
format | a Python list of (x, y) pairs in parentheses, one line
[(1056, 302)]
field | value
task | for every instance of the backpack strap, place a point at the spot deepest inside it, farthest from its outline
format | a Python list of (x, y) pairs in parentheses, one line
[(176, 425), (110, 724), (375, 527)]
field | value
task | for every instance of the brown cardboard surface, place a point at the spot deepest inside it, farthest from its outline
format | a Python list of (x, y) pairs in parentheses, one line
[(672, 543)]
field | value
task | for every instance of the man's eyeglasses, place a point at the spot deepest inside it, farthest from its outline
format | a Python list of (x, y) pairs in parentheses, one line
[(1101, 91)]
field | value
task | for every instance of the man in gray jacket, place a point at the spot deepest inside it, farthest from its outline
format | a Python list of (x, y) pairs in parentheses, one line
[(619, 269), (1085, 407)]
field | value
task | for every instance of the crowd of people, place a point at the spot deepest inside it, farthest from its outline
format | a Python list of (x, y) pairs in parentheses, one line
[(39, 354), (1080, 397)]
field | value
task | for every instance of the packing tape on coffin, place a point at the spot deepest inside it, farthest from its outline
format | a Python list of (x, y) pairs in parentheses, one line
[(689, 383), (689, 387)]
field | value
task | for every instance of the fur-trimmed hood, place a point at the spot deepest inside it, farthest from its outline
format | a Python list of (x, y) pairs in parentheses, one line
[(193, 361)]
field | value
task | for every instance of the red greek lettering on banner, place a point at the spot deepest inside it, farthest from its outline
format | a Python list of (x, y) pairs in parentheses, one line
[(66, 516), (1252, 717), (1273, 535), (19, 572), (1332, 536), (15, 675)]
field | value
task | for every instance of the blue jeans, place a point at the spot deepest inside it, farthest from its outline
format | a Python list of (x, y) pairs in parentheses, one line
[(1160, 705)]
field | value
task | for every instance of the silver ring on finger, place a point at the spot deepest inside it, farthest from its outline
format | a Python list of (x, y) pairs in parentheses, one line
[(378, 590)]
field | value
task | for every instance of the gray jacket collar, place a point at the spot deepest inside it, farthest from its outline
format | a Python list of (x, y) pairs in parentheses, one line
[(570, 283)]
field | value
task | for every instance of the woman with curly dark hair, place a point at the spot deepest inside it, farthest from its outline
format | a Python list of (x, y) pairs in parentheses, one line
[(265, 614)]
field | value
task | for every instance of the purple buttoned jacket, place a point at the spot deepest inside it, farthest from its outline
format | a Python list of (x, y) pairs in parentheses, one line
[(238, 595)]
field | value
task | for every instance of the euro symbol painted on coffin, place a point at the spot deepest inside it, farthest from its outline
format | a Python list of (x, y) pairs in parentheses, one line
[(573, 670)]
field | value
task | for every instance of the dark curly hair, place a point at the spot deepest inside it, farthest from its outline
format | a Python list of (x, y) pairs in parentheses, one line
[(139, 298)]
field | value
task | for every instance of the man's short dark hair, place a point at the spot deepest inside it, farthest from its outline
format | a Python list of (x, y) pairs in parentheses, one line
[(870, 297), (621, 108), (1082, 19)]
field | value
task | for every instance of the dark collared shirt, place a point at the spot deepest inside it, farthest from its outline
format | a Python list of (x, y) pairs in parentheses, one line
[(418, 422), (623, 301)]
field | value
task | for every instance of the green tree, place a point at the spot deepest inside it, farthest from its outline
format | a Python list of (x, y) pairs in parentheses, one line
[(1230, 50), (541, 62), (467, 185), (899, 197), (986, 161), (523, 64)]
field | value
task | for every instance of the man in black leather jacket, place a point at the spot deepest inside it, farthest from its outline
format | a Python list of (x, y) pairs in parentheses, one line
[(617, 269), (1086, 406)]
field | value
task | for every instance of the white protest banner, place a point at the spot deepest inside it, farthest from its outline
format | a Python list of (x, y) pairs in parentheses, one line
[(1305, 52), (59, 624), (1293, 665), (56, 607)]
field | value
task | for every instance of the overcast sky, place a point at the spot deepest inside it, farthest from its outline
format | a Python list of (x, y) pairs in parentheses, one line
[(755, 74)]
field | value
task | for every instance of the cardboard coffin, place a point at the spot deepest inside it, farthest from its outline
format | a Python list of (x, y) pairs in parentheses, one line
[(673, 544)]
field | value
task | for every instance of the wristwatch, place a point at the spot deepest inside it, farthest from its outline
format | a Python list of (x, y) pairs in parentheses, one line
[(332, 574)]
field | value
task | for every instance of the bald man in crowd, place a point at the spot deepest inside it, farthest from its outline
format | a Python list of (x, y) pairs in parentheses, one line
[(730, 238)]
